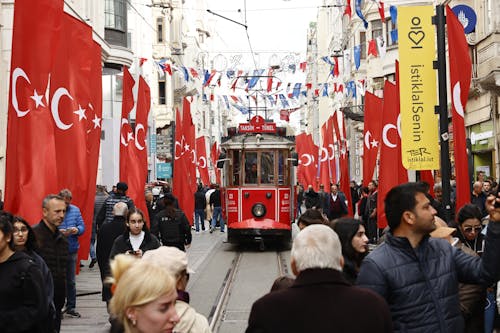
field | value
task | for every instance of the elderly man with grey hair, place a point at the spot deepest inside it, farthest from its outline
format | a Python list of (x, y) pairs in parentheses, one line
[(320, 300), (105, 237)]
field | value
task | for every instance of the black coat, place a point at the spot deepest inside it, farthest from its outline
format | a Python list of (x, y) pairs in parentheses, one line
[(174, 231), (23, 298), (200, 200), (421, 285), (105, 239), (320, 300), (122, 244), (53, 248)]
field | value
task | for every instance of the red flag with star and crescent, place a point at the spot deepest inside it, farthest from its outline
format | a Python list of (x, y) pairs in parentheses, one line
[(126, 131), (214, 155), (202, 162), (460, 77), (344, 183), (30, 151), (371, 134), (73, 94), (184, 176), (392, 171), (307, 152)]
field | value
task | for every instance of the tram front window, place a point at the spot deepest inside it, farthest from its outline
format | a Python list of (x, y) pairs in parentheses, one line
[(267, 167), (251, 168)]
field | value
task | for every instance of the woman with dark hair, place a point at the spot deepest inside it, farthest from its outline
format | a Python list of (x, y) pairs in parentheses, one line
[(311, 216), (25, 241), (137, 239), (23, 298), (354, 245), (171, 225), (472, 297)]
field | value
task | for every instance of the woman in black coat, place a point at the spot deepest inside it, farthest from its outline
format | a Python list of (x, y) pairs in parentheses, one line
[(354, 245)]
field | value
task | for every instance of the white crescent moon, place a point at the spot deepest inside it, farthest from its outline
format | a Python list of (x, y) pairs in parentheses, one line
[(384, 135), (122, 139), (175, 150), (137, 128), (457, 102), (54, 107), (332, 156), (323, 150), (398, 123), (309, 159), (367, 139), (204, 162), (18, 72), (193, 160)]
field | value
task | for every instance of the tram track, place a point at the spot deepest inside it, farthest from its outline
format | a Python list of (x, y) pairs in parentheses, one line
[(217, 313)]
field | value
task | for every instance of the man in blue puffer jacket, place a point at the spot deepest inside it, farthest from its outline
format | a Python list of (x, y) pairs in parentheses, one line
[(418, 276)]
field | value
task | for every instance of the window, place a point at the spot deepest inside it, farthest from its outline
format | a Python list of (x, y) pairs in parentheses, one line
[(251, 169), (115, 15), (282, 168), (389, 27), (362, 42), (235, 168), (159, 29), (162, 100), (377, 29), (267, 168)]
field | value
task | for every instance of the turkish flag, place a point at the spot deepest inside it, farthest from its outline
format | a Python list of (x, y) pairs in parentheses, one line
[(339, 125), (214, 156), (371, 134), (202, 162), (74, 80), (372, 48), (323, 158), (126, 132), (460, 77), (30, 152), (307, 152), (348, 10), (333, 153), (392, 172), (427, 176), (135, 157), (184, 176)]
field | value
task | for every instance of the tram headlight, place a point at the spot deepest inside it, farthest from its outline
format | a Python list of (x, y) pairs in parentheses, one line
[(258, 210)]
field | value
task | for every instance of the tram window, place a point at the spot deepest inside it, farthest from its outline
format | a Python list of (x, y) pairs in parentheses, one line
[(235, 176), (251, 168), (282, 170), (267, 167)]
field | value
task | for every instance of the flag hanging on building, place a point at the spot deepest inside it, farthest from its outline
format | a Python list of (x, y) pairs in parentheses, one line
[(371, 133), (460, 77), (202, 162)]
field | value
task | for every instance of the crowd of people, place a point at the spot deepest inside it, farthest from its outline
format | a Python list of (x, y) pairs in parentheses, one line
[(422, 275)]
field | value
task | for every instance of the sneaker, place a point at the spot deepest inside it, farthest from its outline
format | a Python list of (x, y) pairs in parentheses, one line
[(92, 263), (212, 230), (72, 314)]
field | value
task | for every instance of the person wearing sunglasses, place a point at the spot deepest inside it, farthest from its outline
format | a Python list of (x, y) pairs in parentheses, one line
[(469, 228)]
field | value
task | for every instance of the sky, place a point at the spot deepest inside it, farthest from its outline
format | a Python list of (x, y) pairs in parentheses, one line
[(274, 26)]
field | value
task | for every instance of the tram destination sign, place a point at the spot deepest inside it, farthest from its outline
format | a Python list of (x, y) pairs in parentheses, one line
[(257, 125)]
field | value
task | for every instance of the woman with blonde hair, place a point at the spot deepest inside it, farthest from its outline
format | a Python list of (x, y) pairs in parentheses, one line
[(143, 296)]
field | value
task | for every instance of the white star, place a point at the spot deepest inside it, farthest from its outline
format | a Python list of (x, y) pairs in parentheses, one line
[(374, 143), (130, 136), (96, 121), (80, 112), (186, 147), (38, 99)]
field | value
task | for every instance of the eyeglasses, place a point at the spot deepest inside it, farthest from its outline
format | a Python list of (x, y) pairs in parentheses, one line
[(136, 222), (470, 229), (21, 230)]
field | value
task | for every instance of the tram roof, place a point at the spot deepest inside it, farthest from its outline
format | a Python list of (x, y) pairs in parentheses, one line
[(257, 141)]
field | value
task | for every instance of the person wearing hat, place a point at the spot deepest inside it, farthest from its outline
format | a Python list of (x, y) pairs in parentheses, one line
[(106, 213), (176, 263)]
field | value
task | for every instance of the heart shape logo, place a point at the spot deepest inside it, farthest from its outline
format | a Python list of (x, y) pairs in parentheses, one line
[(416, 36)]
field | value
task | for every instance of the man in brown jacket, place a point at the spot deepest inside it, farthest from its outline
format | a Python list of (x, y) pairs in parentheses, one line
[(320, 300)]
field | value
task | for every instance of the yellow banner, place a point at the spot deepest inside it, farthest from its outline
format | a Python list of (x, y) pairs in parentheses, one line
[(417, 84)]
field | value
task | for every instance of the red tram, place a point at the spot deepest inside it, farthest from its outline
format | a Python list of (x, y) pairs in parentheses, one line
[(257, 166)]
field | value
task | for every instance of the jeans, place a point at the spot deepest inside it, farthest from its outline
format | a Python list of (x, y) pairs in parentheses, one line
[(217, 213), (70, 281), (490, 311), (199, 217)]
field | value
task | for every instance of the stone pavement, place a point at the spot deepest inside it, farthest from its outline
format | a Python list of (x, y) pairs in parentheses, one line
[(94, 317)]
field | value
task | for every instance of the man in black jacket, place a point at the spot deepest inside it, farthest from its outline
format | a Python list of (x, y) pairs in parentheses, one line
[(215, 203), (53, 248), (200, 202), (417, 275), (320, 299), (106, 212)]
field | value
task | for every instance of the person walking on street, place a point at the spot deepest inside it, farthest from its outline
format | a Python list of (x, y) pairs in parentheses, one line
[(199, 208), (171, 225), (72, 227), (100, 198), (106, 212), (336, 203), (320, 299), (370, 219), (417, 275), (53, 247), (215, 202)]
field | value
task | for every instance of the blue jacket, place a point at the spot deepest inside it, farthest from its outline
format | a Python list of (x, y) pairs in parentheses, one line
[(421, 285), (73, 218)]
